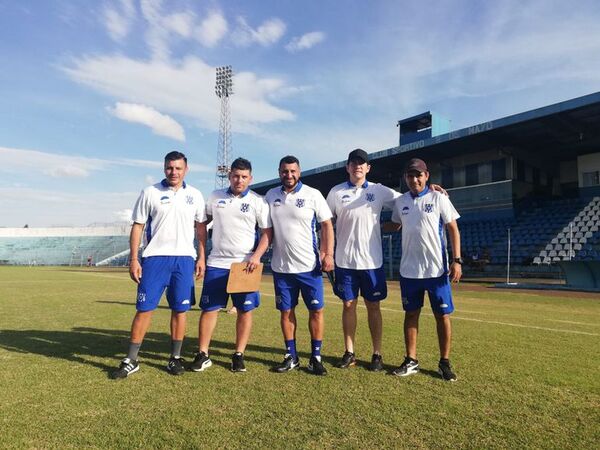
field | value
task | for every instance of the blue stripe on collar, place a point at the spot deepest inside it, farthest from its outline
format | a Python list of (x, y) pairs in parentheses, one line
[(296, 189), (165, 183), (243, 194), (420, 194), (364, 185)]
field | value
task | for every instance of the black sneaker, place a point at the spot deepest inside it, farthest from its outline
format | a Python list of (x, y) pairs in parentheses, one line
[(237, 362), (201, 362), (445, 370), (348, 360), (408, 367), (127, 367), (315, 366), (288, 364), (176, 366), (376, 363)]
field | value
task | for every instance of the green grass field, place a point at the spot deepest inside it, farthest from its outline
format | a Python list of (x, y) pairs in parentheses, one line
[(528, 368)]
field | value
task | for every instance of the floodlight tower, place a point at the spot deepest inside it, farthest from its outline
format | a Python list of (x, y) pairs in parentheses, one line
[(224, 89)]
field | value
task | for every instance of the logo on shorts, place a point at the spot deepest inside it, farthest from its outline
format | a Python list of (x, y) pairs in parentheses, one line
[(278, 299), (370, 197), (189, 199), (377, 293), (277, 202), (300, 203), (165, 199), (405, 210), (314, 301), (186, 302), (428, 207), (245, 207), (443, 305), (205, 299), (405, 300), (247, 302), (141, 297)]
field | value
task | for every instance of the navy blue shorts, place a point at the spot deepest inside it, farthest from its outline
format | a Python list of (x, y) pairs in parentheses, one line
[(215, 296), (288, 287), (173, 273), (438, 290), (370, 283)]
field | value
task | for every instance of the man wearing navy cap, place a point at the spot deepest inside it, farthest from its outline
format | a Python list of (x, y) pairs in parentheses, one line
[(356, 205)]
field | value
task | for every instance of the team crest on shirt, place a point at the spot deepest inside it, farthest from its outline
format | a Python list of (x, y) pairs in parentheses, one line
[(277, 202), (189, 199), (345, 198), (370, 197), (405, 210), (221, 204), (245, 207), (428, 207), (165, 199), (300, 203)]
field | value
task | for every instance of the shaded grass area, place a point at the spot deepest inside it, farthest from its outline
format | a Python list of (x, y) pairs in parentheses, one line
[(527, 366)]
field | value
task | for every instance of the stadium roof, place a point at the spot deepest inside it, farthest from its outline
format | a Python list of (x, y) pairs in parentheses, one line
[(557, 132)]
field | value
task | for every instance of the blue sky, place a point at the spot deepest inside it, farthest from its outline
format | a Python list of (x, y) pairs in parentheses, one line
[(94, 93)]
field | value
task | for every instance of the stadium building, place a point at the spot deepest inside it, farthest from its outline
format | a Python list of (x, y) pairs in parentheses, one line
[(531, 179)]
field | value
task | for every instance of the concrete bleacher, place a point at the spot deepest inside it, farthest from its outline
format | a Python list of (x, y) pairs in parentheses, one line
[(61, 246)]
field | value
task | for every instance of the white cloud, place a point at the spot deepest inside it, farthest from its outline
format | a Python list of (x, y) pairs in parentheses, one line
[(268, 33), (49, 164), (160, 124), (149, 179), (212, 29), (305, 41), (184, 88), (181, 23), (124, 215), (118, 21), (71, 166)]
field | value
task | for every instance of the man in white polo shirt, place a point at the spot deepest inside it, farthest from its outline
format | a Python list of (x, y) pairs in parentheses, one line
[(356, 205), (236, 213), (295, 210), (169, 211), (424, 215)]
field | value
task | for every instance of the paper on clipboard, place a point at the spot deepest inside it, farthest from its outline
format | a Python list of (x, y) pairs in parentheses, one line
[(241, 280)]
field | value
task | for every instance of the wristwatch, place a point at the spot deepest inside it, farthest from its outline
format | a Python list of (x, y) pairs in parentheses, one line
[(458, 261)]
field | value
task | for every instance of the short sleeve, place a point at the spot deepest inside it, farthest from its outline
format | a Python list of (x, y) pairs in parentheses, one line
[(395, 213), (263, 218), (141, 210), (331, 200), (389, 196), (447, 211), (201, 209), (321, 208)]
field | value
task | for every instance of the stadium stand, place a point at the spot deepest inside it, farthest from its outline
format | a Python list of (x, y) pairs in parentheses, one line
[(61, 246)]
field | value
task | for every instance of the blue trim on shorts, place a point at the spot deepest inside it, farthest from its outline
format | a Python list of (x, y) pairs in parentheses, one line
[(173, 273), (289, 286), (214, 292), (438, 290), (369, 283)]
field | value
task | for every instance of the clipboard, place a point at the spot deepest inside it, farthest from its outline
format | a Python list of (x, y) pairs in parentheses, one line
[(242, 281)]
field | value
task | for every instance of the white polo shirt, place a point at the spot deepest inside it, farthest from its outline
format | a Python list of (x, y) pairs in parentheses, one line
[(357, 212), (294, 216), (169, 216), (424, 251), (234, 225)]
